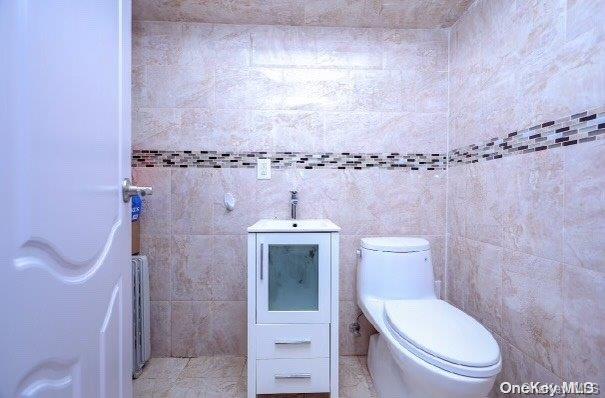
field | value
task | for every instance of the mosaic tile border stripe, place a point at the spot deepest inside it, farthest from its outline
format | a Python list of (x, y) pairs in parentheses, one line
[(279, 160), (578, 128)]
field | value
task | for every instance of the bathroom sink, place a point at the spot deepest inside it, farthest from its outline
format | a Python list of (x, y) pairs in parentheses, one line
[(272, 225)]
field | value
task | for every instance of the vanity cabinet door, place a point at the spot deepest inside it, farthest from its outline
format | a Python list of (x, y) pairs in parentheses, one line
[(293, 278)]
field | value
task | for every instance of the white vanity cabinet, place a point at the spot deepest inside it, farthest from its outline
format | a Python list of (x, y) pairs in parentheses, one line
[(293, 307)]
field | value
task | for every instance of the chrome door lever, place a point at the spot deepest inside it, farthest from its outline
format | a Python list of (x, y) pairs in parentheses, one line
[(129, 190)]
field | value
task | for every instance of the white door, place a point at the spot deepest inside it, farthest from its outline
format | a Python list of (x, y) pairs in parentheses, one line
[(293, 278), (65, 280)]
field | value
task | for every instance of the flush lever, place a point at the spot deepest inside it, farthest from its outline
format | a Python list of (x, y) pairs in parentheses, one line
[(129, 190)]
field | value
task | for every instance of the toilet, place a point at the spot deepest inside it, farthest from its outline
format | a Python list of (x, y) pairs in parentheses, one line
[(425, 347)]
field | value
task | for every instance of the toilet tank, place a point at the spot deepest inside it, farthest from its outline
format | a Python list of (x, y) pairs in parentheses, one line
[(395, 268)]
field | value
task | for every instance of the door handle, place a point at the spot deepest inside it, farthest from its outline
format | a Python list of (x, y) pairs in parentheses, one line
[(129, 190), (261, 261)]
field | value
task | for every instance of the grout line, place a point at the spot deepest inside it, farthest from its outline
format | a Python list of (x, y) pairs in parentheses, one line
[(564, 267), (447, 174)]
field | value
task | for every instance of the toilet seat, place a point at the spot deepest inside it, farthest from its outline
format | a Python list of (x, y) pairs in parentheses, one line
[(443, 336)]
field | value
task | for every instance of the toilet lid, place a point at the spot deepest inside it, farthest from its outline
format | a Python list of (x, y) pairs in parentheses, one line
[(443, 331), (397, 244)]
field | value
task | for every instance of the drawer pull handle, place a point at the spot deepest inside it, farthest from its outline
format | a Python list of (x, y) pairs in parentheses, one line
[(294, 376), (302, 341)]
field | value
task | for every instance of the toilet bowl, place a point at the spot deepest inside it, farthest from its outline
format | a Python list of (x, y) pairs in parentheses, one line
[(425, 347)]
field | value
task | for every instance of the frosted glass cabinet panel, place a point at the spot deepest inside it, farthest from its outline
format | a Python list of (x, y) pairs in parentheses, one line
[(293, 282), (293, 277)]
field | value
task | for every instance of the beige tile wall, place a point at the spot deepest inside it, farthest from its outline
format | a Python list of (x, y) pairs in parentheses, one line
[(197, 249), (514, 64), (231, 87), (527, 232), (275, 88)]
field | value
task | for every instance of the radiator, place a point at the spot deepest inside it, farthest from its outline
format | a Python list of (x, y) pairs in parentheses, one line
[(140, 314)]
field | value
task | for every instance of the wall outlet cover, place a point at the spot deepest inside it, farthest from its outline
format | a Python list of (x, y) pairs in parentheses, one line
[(263, 169)]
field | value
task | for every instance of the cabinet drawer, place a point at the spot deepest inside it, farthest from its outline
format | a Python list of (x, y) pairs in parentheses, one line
[(293, 341), (275, 376)]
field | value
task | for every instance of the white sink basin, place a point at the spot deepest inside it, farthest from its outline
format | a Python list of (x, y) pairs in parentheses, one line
[(271, 225)]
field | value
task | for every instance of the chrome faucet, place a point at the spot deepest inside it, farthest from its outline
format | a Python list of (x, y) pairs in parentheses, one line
[(293, 203)]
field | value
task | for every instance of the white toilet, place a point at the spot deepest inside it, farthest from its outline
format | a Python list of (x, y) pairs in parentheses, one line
[(425, 348)]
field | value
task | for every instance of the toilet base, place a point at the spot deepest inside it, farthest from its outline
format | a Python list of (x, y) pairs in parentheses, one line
[(385, 373), (402, 376)]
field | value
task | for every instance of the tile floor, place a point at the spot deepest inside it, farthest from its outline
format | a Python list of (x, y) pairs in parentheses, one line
[(225, 377)]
